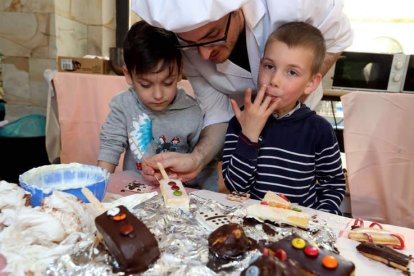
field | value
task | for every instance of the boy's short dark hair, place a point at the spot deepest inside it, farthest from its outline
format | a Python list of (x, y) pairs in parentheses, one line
[(145, 46), (305, 35)]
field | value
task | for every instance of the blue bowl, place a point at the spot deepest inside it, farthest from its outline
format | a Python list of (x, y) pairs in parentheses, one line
[(40, 182)]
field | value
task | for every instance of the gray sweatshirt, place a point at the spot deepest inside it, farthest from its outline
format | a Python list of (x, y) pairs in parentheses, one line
[(131, 125)]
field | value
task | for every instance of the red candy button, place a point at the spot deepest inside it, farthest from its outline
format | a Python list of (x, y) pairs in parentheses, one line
[(171, 183), (281, 254), (330, 262), (266, 251), (175, 188), (126, 229), (311, 251)]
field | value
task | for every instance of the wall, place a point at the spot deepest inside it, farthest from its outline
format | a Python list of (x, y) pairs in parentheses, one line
[(34, 32)]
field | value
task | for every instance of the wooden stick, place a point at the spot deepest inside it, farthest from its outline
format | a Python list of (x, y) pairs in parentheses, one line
[(162, 170), (139, 151), (92, 199)]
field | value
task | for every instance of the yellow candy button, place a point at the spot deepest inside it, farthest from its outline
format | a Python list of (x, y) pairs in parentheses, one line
[(298, 243), (330, 262)]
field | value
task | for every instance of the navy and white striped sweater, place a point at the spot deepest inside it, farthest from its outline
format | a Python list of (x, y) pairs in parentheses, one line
[(297, 156)]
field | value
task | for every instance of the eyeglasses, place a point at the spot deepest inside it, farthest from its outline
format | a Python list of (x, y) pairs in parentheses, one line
[(183, 44)]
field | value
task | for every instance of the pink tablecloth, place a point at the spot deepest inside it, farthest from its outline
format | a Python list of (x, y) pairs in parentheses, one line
[(379, 148), (82, 101)]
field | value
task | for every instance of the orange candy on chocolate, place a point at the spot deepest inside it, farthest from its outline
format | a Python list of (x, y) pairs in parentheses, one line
[(330, 262), (119, 217)]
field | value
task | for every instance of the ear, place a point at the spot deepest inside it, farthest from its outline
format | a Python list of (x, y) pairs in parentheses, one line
[(313, 83), (127, 76)]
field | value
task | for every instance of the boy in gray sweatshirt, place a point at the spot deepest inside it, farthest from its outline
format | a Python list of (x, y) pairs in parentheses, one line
[(153, 115)]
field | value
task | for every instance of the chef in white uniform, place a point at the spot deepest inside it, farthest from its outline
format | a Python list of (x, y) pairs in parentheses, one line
[(222, 43)]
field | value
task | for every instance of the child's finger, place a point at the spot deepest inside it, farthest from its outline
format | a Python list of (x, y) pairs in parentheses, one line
[(273, 106), (265, 104), (260, 94), (248, 97)]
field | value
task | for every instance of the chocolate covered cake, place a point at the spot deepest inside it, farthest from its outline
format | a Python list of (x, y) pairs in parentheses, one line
[(128, 240), (229, 241), (271, 266), (384, 254), (313, 260)]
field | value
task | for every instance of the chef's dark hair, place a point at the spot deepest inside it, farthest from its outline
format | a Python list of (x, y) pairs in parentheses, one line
[(146, 46)]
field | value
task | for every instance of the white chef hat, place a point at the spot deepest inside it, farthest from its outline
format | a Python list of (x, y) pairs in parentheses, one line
[(183, 15)]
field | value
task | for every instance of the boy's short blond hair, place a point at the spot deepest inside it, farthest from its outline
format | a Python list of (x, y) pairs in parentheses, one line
[(295, 34)]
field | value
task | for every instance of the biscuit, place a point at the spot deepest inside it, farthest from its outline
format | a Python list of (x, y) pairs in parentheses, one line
[(385, 255), (238, 196)]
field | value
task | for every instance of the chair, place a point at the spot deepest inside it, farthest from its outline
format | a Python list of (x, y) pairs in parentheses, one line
[(81, 106), (379, 148)]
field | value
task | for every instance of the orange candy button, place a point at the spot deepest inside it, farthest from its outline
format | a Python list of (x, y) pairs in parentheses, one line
[(119, 217), (330, 262), (298, 243)]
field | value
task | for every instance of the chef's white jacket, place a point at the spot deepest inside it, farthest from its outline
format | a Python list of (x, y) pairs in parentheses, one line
[(215, 83)]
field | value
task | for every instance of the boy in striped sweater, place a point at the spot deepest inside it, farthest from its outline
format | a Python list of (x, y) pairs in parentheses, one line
[(276, 143)]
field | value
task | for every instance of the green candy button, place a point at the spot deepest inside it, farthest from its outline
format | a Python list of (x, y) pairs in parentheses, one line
[(177, 193)]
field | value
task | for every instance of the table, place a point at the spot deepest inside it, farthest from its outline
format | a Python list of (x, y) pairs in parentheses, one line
[(338, 224)]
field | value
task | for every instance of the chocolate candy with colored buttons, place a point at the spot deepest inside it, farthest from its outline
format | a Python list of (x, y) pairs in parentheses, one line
[(269, 265), (313, 260), (128, 240)]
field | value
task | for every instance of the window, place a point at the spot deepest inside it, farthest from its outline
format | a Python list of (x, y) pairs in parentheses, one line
[(381, 26)]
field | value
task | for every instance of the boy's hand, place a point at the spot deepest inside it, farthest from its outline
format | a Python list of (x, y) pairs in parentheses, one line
[(255, 114)]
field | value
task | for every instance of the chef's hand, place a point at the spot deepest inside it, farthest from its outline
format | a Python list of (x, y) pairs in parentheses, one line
[(253, 117), (182, 166)]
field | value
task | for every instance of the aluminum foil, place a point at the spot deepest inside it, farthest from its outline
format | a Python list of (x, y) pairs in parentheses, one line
[(182, 240)]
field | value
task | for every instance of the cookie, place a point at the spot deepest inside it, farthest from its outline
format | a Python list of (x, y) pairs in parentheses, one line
[(238, 196)]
